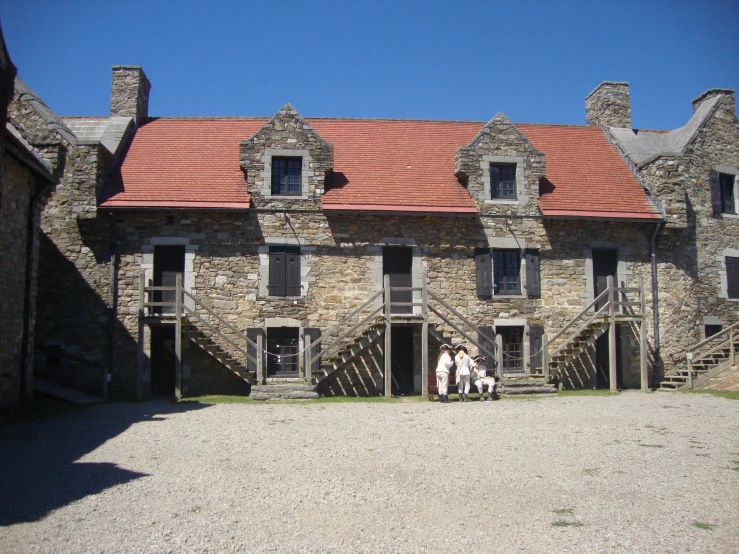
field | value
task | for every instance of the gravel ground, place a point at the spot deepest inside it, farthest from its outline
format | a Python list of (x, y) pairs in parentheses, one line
[(631, 473)]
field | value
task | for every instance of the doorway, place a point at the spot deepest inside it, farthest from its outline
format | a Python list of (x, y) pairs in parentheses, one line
[(169, 261), (282, 351), (162, 361), (401, 339), (605, 263), (397, 262), (602, 354)]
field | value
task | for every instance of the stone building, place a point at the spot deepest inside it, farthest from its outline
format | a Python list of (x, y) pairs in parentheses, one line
[(279, 229), (26, 181)]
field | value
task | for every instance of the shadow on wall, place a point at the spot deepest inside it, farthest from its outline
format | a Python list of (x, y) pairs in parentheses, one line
[(40, 472), (73, 321)]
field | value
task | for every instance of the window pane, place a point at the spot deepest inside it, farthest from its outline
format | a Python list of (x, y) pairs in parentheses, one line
[(286, 176), (503, 181), (507, 266), (727, 193)]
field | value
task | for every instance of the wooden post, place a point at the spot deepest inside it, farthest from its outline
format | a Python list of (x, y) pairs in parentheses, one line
[(260, 359), (140, 350), (388, 341), (643, 337), (689, 359), (178, 337), (306, 358), (612, 377), (545, 357), (499, 354), (731, 346), (424, 339)]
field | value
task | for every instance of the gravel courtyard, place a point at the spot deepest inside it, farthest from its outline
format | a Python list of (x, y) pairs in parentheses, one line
[(635, 472)]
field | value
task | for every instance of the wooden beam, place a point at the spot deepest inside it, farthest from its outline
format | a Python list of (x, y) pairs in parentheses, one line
[(140, 349), (178, 337), (388, 340), (424, 339), (612, 377), (260, 359), (545, 356), (643, 337)]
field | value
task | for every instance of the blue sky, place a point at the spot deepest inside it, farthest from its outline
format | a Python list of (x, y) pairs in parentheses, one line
[(534, 61)]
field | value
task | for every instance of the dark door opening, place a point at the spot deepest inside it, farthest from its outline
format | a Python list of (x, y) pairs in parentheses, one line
[(512, 349), (282, 351), (605, 263), (401, 339), (162, 361), (397, 262), (168, 262), (602, 354)]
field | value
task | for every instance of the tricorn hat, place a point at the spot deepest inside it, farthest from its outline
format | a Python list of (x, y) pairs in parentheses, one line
[(461, 347), (445, 346), (479, 358)]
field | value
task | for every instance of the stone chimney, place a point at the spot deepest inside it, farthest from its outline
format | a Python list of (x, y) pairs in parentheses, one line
[(727, 93), (129, 95), (609, 105)]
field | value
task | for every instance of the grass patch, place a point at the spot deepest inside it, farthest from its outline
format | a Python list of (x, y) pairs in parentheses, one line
[(563, 523), (703, 525), (564, 511), (729, 395), (218, 399), (587, 392)]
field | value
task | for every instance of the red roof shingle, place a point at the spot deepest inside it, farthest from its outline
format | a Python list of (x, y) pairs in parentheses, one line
[(397, 165)]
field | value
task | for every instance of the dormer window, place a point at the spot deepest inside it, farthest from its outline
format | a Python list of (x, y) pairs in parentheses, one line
[(287, 176), (503, 181)]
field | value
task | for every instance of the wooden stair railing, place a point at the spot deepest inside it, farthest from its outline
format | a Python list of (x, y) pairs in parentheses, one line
[(704, 356)]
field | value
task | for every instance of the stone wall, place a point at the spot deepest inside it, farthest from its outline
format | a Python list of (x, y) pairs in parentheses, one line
[(17, 184), (690, 256), (345, 252)]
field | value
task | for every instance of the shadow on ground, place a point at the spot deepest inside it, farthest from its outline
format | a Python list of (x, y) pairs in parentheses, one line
[(38, 468)]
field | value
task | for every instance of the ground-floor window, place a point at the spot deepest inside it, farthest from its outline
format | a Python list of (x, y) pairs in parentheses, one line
[(282, 350), (713, 330), (512, 351)]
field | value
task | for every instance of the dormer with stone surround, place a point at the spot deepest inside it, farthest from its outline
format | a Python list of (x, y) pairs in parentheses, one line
[(502, 169), (286, 163)]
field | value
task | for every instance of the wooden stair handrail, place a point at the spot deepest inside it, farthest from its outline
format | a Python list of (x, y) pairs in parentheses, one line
[(577, 333), (712, 337), (578, 316), (341, 337), (463, 319), (465, 335)]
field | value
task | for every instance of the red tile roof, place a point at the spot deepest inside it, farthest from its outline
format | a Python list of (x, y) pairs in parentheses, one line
[(379, 165), (586, 175)]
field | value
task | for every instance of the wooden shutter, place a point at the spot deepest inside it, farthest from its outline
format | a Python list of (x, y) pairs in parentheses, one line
[(277, 274), (484, 270), (292, 273), (533, 273), (486, 337), (536, 335), (252, 333), (716, 201), (732, 277), (312, 334)]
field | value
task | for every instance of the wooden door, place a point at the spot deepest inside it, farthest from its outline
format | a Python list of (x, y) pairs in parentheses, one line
[(169, 261), (397, 263)]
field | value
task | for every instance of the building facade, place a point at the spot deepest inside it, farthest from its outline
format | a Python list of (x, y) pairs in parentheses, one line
[(277, 229)]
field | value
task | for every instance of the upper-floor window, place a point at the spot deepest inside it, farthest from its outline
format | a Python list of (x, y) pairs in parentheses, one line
[(503, 181), (732, 277), (726, 182), (284, 271), (507, 271), (287, 176)]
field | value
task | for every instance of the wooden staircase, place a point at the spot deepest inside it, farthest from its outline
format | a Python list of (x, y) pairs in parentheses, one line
[(611, 307), (216, 350), (716, 352)]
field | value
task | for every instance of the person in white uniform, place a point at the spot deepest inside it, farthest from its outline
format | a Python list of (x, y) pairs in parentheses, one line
[(464, 368), (442, 371), (480, 378)]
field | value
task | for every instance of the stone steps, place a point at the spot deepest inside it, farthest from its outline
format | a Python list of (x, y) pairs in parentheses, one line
[(284, 391), (525, 385)]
